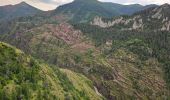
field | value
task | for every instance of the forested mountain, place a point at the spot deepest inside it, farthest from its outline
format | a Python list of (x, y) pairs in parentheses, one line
[(150, 25), (123, 58), (86, 10), (154, 18), (9, 12)]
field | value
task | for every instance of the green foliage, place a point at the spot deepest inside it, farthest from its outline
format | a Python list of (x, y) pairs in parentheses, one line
[(22, 77), (167, 72), (18, 73), (136, 46)]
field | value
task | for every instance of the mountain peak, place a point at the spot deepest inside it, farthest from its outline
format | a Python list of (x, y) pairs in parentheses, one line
[(23, 4), (85, 0), (164, 9), (165, 6), (19, 10)]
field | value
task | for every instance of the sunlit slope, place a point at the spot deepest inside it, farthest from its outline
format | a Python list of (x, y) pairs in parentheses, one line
[(22, 77)]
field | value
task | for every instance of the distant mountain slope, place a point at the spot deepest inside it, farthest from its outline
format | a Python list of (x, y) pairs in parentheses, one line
[(154, 18), (85, 10), (22, 77), (77, 11), (19, 10)]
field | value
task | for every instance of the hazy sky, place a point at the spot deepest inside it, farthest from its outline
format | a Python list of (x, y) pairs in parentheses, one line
[(52, 4)]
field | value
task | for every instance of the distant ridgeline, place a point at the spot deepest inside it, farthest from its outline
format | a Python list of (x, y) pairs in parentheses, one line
[(85, 10), (22, 9)]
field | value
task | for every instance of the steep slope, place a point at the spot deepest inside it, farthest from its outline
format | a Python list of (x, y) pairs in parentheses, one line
[(150, 25), (19, 10), (22, 77), (154, 18), (85, 10)]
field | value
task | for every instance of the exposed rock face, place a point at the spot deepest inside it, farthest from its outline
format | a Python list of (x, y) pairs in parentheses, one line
[(165, 20), (166, 26), (98, 21), (137, 22), (158, 14), (157, 19), (137, 25)]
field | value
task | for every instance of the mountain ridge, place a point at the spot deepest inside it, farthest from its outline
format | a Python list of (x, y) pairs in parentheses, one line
[(84, 11), (140, 20), (22, 9)]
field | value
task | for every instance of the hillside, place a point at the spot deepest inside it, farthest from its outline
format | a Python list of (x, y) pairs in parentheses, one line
[(117, 70), (85, 10), (22, 9), (122, 61), (22, 77), (154, 18), (150, 25)]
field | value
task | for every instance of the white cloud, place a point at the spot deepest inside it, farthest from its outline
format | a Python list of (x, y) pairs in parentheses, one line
[(143, 2), (6, 2), (41, 5)]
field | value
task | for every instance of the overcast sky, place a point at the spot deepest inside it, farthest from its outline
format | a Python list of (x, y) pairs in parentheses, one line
[(52, 4)]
